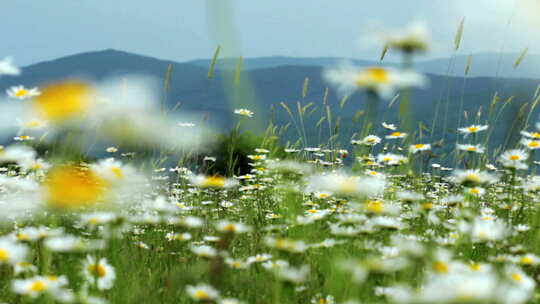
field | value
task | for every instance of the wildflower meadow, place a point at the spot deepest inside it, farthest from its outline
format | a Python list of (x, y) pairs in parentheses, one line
[(109, 196)]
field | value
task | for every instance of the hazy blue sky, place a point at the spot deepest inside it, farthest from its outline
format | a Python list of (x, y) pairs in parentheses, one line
[(36, 30)]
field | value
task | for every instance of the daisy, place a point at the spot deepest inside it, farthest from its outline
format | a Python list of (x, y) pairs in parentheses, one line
[(489, 229), (243, 112), (396, 134), (213, 181), (204, 251), (533, 135), (530, 144), (389, 126), (23, 138), (202, 292), (11, 252), (98, 218), (178, 236), (346, 185), (100, 272), (288, 245), (20, 92), (473, 177), (473, 129), (471, 148), (69, 187), (370, 140), (391, 159), (63, 101), (514, 159), (476, 191), (382, 81), (412, 38), (112, 170), (419, 148), (39, 285), (230, 227)]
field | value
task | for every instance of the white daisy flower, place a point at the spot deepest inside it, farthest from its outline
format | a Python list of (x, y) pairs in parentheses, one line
[(347, 79), (100, 272), (202, 292), (20, 92)]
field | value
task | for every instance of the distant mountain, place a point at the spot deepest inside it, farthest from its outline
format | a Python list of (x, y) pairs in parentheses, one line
[(278, 61), (485, 64), (271, 85), (482, 64)]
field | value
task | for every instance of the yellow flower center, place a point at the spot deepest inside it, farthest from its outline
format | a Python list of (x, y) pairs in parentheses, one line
[(117, 172), (379, 75), (471, 149), (324, 195), (230, 227), (514, 157), (427, 206), (214, 182), (419, 146), (38, 286), (473, 178), (62, 101), (36, 166), (475, 267), (21, 93), (375, 206), (527, 260), (4, 255), (70, 187), (97, 270), (516, 277), (202, 295), (441, 267), (472, 129), (396, 134), (533, 144), (23, 237)]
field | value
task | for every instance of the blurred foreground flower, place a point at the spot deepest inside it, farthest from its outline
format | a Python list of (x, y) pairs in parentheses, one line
[(413, 38), (107, 111), (381, 81), (8, 68), (347, 185), (217, 182)]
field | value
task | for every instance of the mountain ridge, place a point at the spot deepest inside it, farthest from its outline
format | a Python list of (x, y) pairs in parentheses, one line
[(191, 87)]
